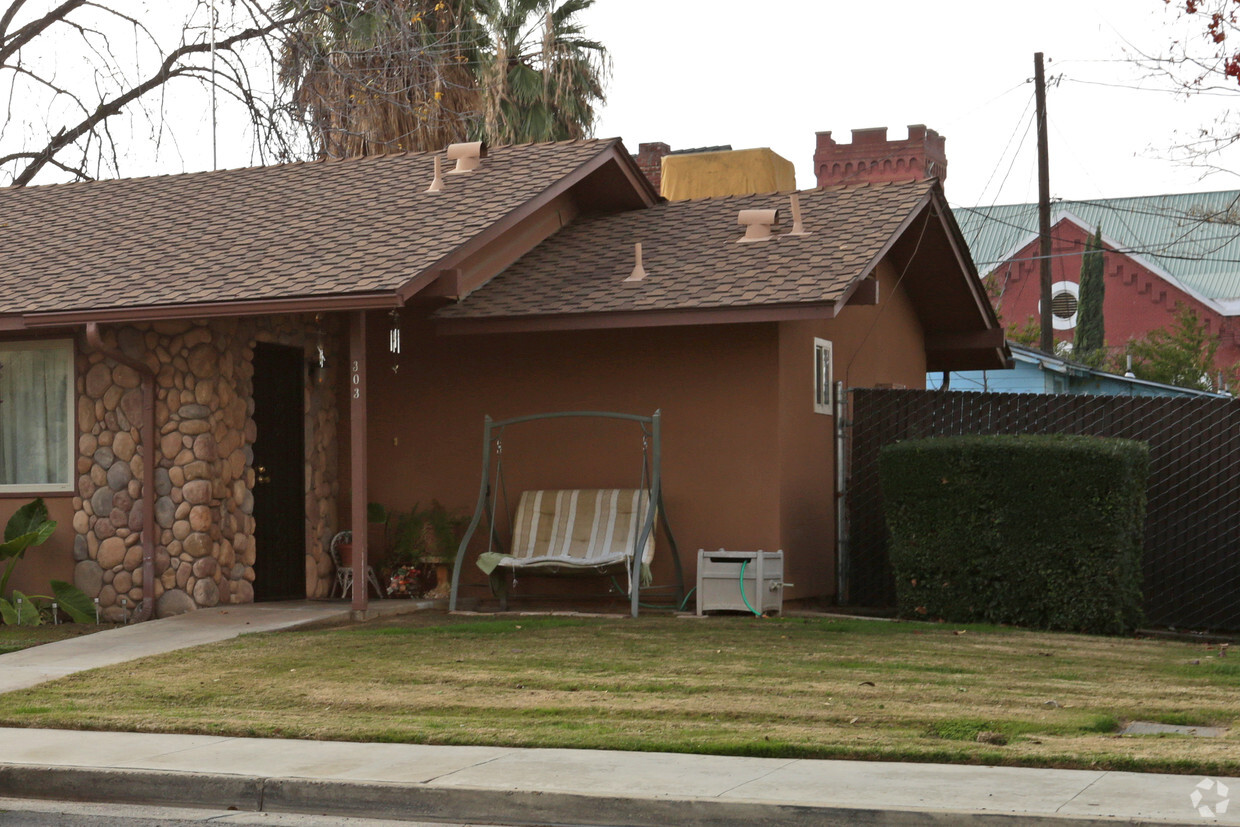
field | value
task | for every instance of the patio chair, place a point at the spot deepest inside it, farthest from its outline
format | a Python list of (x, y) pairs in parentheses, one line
[(344, 574)]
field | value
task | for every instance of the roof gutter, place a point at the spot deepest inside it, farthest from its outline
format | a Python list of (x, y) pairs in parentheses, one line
[(147, 434), (618, 319), (203, 310)]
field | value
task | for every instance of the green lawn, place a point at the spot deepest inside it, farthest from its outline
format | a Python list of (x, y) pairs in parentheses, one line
[(804, 687)]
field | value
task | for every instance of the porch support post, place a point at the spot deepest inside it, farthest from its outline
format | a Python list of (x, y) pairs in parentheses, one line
[(357, 444)]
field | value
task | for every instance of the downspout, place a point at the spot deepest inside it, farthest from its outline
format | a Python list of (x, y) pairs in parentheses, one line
[(147, 436), (842, 561)]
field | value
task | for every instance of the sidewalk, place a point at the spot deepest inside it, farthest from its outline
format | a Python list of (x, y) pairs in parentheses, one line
[(28, 667), (580, 787)]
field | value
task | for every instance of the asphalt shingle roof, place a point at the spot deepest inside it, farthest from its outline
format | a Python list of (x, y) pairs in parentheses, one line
[(692, 258), (298, 230)]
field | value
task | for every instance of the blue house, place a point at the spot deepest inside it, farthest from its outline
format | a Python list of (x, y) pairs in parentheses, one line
[(1036, 372)]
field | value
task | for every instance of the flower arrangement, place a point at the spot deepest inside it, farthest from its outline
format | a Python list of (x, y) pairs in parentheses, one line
[(407, 581)]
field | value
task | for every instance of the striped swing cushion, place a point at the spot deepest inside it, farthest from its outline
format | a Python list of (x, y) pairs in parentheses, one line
[(583, 528)]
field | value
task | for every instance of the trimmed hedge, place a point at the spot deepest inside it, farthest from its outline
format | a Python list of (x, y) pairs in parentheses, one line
[(1039, 531)]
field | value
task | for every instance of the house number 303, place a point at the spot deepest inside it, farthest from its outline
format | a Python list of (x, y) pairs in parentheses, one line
[(355, 369)]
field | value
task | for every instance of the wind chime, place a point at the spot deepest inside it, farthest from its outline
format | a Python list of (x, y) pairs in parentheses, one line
[(394, 340), (322, 354)]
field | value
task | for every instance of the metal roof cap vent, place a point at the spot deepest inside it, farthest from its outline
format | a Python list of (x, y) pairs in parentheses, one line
[(467, 156), (757, 224), (437, 184), (639, 272), (797, 227)]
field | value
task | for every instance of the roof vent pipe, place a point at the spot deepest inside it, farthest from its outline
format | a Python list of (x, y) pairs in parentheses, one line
[(639, 272), (467, 156), (757, 224), (797, 227), (437, 184)]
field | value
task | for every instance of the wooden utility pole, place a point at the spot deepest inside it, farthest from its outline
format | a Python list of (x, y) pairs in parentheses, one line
[(1044, 205)]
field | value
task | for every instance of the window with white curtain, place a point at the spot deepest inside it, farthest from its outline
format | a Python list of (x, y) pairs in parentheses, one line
[(36, 415)]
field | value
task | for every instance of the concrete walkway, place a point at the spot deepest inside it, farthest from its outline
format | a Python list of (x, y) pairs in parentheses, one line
[(579, 787), (28, 667)]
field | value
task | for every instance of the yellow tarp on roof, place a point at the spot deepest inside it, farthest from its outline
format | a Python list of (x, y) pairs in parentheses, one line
[(735, 172)]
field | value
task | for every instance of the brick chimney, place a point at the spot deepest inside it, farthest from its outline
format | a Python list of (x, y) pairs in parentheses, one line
[(649, 159), (871, 158)]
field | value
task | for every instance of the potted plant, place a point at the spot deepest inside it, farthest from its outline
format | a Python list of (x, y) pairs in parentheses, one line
[(426, 540)]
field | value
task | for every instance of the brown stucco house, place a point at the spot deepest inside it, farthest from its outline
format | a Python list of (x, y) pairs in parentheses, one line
[(199, 380)]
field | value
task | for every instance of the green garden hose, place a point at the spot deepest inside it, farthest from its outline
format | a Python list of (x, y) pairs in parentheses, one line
[(671, 606), (743, 597)]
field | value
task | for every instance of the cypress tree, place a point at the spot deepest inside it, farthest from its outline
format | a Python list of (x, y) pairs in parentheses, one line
[(1090, 332)]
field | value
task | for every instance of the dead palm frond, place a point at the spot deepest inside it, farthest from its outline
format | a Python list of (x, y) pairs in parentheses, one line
[(378, 76)]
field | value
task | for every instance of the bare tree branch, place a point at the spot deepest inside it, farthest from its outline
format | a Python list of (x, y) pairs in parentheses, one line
[(116, 93), (6, 19), (1207, 63), (81, 174), (34, 28)]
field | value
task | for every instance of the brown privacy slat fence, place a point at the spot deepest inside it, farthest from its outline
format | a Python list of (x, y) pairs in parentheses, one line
[(1192, 535)]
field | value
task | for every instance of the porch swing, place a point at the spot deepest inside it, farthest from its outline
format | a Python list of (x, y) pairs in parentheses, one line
[(571, 531)]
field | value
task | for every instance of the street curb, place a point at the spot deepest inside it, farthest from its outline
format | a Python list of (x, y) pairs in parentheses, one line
[(427, 802), (121, 786)]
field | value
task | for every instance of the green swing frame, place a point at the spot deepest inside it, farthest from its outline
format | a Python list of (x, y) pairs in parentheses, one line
[(492, 443)]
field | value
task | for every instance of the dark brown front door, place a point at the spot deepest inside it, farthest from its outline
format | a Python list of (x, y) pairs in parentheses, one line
[(279, 466)]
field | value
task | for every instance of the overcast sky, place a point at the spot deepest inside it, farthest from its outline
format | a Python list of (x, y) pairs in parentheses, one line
[(772, 73)]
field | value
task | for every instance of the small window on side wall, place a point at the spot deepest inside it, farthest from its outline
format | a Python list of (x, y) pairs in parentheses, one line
[(36, 416), (822, 376)]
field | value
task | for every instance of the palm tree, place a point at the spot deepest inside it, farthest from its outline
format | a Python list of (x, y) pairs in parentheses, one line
[(378, 76), (541, 78)]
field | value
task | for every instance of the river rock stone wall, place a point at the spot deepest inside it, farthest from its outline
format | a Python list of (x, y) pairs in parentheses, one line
[(204, 478)]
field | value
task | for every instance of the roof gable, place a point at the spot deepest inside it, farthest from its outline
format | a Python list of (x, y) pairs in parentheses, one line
[(1192, 240), (697, 271), (1115, 247), (693, 259)]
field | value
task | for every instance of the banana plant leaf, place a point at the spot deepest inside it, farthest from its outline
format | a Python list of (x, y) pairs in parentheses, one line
[(74, 602), (29, 526), (28, 615)]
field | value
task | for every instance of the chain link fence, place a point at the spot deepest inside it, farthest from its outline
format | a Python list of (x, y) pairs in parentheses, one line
[(1192, 534)]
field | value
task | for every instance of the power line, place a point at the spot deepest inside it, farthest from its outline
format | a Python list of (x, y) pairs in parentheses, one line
[(1107, 204), (1015, 154), (1154, 251), (1123, 251), (1193, 92), (1163, 249)]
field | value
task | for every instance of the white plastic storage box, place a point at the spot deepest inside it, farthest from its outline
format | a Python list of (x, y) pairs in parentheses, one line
[(719, 581)]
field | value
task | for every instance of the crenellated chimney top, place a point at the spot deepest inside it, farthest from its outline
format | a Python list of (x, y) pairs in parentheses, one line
[(872, 158)]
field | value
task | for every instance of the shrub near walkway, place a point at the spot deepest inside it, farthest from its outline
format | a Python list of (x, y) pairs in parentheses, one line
[(740, 686)]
